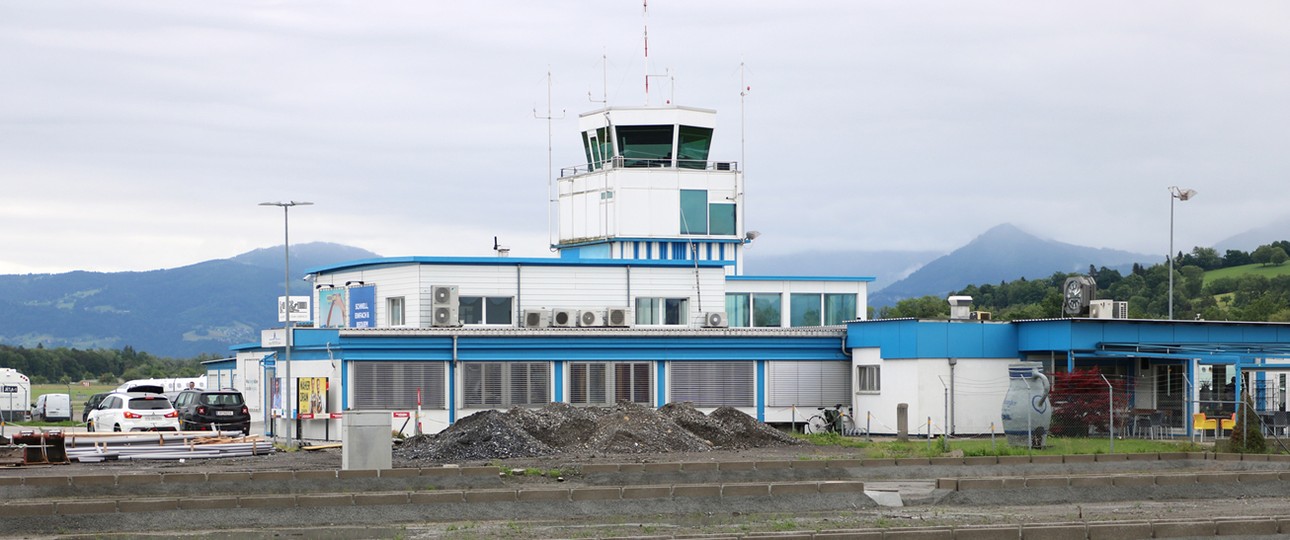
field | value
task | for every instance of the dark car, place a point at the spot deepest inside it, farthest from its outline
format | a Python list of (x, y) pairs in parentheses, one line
[(91, 404), (212, 410)]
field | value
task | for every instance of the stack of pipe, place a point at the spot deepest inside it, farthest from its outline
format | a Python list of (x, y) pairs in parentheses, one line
[(95, 447)]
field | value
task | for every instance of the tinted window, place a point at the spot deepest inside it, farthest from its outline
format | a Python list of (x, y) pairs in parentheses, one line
[(222, 399), (149, 403)]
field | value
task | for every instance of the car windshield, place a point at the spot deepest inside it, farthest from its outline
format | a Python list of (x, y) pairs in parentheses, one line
[(222, 399), (149, 403)]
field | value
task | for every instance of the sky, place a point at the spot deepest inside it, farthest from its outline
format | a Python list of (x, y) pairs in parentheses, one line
[(138, 135)]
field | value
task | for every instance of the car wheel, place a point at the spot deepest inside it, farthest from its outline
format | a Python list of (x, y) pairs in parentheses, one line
[(116, 427)]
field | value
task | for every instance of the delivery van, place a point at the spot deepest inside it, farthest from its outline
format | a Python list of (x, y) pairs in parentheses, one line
[(15, 395), (52, 408)]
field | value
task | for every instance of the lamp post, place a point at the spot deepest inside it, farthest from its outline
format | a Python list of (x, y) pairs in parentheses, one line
[(1181, 194), (286, 301)]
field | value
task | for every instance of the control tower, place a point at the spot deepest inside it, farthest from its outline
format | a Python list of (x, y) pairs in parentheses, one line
[(649, 191)]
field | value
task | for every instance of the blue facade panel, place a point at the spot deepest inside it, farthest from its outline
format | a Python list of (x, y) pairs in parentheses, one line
[(934, 339)]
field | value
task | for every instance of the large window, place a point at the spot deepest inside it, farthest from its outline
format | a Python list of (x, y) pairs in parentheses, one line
[(694, 144), (394, 310), (394, 385), (658, 311), (645, 146), (713, 384), (737, 310), (485, 310), (766, 309), (839, 308), (505, 384), (804, 309), (868, 379), (606, 383), (721, 218), (694, 211)]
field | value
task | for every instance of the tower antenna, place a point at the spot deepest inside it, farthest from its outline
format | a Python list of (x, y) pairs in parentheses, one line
[(550, 177)]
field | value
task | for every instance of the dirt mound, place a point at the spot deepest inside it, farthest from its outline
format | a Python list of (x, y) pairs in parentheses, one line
[(557, 428)]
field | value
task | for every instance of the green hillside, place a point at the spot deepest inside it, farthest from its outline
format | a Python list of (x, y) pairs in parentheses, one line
[(1247, 269)]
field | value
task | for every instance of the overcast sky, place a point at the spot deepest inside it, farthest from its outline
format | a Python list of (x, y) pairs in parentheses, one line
[(142, 135)]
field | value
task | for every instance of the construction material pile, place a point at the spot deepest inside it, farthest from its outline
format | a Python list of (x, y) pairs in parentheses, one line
[(560, 428), (95, 447)]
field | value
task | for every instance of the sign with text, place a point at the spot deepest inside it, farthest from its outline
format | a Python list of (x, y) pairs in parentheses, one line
[(332, 308), (362, 306), (299, 306), (313, 396)]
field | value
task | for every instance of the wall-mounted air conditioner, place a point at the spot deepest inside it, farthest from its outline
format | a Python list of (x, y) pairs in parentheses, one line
[(1101, 309), (618, 317), (537, 318), (1121, 310), (443, 295), (591, 317), (564, 317), (715, 319), (444, 316)]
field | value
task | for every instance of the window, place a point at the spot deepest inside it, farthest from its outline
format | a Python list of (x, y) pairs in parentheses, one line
[(867, 379), (606, 383), (505, 384), (804, 309), (808, 383), (394, 310), (484, 309), (713, 384), (737, 310), (645, 146), (839, 308), (721, 218), (766, 309), (693, 147), (656, 311), (694, 211), (393, 385)]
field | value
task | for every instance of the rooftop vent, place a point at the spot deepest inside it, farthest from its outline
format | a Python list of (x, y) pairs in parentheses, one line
[(960, 307)]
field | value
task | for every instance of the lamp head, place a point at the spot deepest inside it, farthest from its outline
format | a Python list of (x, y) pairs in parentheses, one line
[(1181, 194)]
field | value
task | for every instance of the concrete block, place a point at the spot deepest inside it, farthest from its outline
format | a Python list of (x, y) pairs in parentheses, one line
[(491, 495), (479, 471), (913, 462), (380, 499), (951, 484), (948, 461), (367, 441), (1254, 457), (1078, 458), (1283, 524), (1258, 477), (1173, 456), (358, 473), (1174, 529), (1092, 481), (655, 468), (1279, 457), (598, 468), (793, 488), (1145, 456), (439, 472), (986, 533), (700, 466), (48, 481), (1175, 479), (980, 483), (849, 535), (1013, 482), (23, 510), (67, 508), (397, 473), (1199, 455), (921, 533), (183, 478), (542, 494), (1227, 457), (1218, 478), (1119, 530), (1048, 460), (1110, 458), (845, 463), (842, 486), (244, 476), (6, 481), (137, 479), (266, 476), (321, 475), (773, 465), (1054, 532), (877, 462), (631, 467), (1251, 527), (981, 460), (696, 490), (745, 490), (809, 464), (208, 503), (435, 497), (1136, 480), (1014, 460), (91, 480), (267, 501), (596, 494), (147, 505), (323, 500), (737, 466), (1047, 481), (647, 492)]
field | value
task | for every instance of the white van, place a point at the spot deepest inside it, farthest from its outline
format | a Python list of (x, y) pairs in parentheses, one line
[(15, 395), (52, 408)]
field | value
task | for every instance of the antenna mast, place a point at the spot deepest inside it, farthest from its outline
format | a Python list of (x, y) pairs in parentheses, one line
[(550, 177), (645, 24)]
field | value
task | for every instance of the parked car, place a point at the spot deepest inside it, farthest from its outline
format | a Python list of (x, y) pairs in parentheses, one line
[(213, 410), (133, 411), (91, 404), (52, 408)]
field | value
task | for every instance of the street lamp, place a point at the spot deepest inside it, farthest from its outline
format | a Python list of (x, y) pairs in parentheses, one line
[(286, 300), (1181, 194)]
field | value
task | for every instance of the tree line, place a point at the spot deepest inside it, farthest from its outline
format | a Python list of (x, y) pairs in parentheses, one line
[(1247, 297), (63, 365)]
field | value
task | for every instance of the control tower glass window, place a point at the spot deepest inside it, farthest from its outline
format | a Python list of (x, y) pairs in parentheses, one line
[(597, 147), (645, 146), (693, 144), (694, 211)]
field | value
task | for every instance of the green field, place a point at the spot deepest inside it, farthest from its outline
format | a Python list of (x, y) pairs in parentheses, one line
[(79, 395), (1255, 269)]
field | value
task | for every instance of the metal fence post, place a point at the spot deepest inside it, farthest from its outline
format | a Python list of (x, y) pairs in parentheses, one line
[(1110, 411)]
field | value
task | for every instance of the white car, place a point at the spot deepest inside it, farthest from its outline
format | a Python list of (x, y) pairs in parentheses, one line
[(133, 411)]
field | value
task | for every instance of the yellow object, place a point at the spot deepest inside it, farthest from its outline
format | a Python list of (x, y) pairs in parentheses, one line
[(1229, 423), (1200, 423)]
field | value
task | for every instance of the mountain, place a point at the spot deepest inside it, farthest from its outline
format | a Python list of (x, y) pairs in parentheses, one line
[(1250, 240), (178, 312), (886, 267), (1003, 253)]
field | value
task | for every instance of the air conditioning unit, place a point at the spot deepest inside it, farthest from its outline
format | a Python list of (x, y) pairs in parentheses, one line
[(564, 317), (444, 316), (1101, 309), (590, 317), (1121, 310), (715, 319), (979, 315), (618, 317), (443, 295), (537, 318)]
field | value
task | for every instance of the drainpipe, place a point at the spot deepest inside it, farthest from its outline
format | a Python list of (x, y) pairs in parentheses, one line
[(519, 299), (452, 384), (953, 362)]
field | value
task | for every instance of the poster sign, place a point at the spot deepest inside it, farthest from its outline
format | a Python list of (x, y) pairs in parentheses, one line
[(362, 306), (299, 307), (275, 392), (313, 396), (332, 308)]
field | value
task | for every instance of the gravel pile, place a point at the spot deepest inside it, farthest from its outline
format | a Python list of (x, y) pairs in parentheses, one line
[(558, 428)]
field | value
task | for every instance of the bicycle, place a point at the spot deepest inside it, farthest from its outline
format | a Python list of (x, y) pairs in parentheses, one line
[(831, 420)]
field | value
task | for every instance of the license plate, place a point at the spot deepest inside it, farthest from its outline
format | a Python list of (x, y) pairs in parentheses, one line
[(223, 413)]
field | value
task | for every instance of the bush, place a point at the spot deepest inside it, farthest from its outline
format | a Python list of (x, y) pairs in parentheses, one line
[(1247, 435)]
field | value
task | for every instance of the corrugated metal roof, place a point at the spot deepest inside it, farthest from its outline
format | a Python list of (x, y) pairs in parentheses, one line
[(819, 331)]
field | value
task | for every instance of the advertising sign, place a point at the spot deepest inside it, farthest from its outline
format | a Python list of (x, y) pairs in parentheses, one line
[(331, 308), (313, 396), (275, 393), (299, 309), (362, 306)]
